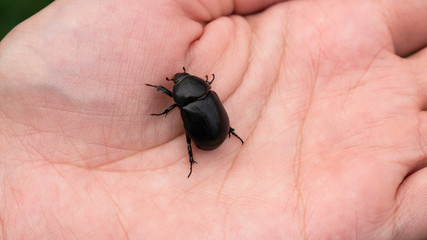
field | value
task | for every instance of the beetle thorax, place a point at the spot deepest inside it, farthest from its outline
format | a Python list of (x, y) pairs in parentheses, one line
[(188, 89)]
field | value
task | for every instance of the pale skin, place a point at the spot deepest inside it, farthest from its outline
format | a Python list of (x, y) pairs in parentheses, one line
[(323, 93)]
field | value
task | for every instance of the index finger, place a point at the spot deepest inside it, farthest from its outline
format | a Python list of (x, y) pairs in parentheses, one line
[(406, 20)]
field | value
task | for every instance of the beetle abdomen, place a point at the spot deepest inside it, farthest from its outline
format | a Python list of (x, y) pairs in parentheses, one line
[(206, 121)]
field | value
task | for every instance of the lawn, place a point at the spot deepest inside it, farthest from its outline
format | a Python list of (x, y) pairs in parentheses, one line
[(12, 12)]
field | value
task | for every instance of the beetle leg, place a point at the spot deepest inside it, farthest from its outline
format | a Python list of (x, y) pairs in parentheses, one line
[(161, 89), (190, 153), (207, 79), (231, 131), (165, 112)]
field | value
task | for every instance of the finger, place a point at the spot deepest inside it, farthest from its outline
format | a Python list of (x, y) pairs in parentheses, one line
[(411, 219), (252, 6), (208, 10), (406, 20), (418, 68)]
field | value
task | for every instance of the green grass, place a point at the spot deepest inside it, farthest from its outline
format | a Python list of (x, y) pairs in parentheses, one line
[(12, 12)]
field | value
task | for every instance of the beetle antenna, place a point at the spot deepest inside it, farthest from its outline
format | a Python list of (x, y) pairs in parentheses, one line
[(183, 68), (167, 79)]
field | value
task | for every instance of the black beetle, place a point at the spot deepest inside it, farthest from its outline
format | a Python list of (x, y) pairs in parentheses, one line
[(205, 119)]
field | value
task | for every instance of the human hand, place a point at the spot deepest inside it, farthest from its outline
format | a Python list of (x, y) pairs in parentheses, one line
[(331, 115)]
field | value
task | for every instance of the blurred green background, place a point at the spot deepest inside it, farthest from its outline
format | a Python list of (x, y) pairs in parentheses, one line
[(12, 12)]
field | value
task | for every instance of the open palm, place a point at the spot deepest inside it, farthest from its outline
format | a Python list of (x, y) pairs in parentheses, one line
[(332, 118)]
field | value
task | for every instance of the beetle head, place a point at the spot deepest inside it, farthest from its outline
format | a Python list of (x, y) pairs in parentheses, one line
[(178, 76)]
